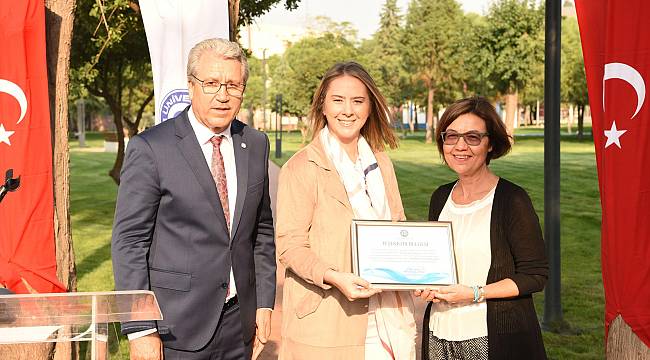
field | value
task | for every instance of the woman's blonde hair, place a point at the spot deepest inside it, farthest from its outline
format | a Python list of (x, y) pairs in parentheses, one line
[(377, 130)]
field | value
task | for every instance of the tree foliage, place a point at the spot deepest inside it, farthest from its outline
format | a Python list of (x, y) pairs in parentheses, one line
[(111, 60), (251, 9), (573, 77), (432, 39), (254, 95), (475, 57), (303, 65), (515, 39), (383, 55), (574, 81)]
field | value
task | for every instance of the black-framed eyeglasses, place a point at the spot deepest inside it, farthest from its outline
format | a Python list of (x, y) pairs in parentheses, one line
[(213, 87), (472, 138)]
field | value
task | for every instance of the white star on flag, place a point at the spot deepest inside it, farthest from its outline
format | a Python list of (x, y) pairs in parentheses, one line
[(5, 134), (613, 136)]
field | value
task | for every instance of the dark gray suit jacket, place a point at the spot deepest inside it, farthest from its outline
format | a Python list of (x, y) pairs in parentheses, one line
[(170, 234)]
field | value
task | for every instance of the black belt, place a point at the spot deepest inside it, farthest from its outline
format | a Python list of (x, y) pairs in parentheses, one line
[(230, 303)]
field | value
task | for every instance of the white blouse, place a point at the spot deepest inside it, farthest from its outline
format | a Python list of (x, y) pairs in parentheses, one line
[(471, 228)]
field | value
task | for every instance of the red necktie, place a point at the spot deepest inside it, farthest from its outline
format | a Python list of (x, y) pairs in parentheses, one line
[(219, 175)]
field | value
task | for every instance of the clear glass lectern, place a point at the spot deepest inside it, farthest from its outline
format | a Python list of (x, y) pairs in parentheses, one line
[(63, 317)]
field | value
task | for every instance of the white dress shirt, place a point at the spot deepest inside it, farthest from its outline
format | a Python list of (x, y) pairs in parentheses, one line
[(203, 135)]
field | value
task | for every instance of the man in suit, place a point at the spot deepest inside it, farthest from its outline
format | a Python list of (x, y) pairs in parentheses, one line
[(193, 221)]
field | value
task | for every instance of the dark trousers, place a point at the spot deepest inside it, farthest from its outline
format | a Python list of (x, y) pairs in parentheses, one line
[(226, 344)]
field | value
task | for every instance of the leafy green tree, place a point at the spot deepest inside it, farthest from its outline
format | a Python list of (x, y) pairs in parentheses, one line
[(249, 10), (515, 38), (254, 95), (322, 24), (111, 59), (475, 58), (432, 38), (574, 80), (245, 11), (383, 57), (533, 93), (302, 67)]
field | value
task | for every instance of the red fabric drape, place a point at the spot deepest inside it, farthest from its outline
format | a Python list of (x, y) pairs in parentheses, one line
[(616, 47), (27, 248)]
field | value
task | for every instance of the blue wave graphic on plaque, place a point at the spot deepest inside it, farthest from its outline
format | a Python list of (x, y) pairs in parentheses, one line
[(389, 274)]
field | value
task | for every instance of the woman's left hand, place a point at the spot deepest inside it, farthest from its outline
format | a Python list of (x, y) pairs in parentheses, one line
[(455, 294)]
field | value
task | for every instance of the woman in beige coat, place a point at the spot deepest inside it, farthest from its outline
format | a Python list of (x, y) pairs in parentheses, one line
[(328, 312)]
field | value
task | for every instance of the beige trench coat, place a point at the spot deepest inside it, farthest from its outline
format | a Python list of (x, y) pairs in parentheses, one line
[(313, 235)]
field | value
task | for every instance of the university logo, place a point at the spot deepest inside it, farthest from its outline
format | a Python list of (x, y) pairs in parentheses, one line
[(173, 103), (404, 233)]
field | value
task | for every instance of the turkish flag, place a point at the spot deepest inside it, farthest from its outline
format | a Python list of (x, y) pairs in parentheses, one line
[(27, 249), (616, 47)]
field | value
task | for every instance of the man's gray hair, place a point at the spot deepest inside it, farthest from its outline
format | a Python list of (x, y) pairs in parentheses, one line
[(227, 49)]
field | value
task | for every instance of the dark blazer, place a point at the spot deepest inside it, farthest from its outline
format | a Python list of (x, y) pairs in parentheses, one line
[(518, 253), (170, 233)]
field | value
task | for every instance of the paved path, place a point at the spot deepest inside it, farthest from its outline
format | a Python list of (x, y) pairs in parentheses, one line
[(271, 349)]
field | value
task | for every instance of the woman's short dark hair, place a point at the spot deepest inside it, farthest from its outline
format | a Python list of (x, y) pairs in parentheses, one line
[(481, 107)]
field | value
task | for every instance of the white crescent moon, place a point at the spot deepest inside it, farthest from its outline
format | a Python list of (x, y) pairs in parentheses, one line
[(631, 76), (14, 90)]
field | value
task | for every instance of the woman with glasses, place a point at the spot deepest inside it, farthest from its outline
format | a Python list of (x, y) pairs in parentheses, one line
[(498, 242), (343, 174)]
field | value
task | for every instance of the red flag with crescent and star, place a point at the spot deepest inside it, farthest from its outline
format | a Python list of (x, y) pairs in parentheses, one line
[(27, 249), (616, 47)]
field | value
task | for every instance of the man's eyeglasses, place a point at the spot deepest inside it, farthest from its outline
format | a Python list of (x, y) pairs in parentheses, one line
[(213, 87), (472, 138)]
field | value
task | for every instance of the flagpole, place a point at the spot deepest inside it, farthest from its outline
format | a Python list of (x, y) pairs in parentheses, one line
[(552, 299)]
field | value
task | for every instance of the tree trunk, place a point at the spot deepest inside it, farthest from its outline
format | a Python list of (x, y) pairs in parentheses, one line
[(393, 113), (429, 135), (570, 120), (623, 344), (581, 118), (304, 130), (415, 118), (511, 108), (537, 113), (59, 18), (527, 115), (233, 14), (26, 351), (119, 158), (411, 121), (131, 129)]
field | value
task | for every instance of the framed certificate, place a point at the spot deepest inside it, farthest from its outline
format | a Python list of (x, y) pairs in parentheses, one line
[(403, 255)]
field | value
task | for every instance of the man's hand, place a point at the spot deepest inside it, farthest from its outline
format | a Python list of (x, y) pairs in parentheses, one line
[(262, 331), (148, 347)]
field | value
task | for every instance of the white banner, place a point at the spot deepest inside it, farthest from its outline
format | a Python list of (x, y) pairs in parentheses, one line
[(173, 27)]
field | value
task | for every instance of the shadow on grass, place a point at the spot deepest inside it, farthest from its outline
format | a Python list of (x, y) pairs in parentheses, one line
[(94, 260)]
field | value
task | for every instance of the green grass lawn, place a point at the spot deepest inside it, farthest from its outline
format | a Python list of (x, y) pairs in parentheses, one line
[(419, 172), (536, 130)]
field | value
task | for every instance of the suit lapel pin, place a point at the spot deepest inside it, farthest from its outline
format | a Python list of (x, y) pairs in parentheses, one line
[(243, 145)]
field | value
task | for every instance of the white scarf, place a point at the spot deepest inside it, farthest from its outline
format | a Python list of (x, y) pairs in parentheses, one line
[(362, 179), (392, 310)]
